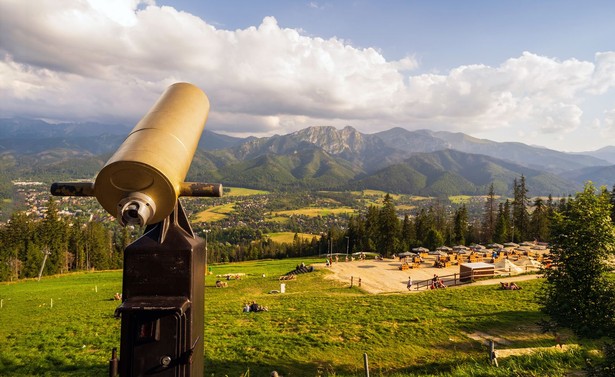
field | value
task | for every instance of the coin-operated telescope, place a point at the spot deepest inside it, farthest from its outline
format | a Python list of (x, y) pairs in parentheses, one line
[(162, 307)]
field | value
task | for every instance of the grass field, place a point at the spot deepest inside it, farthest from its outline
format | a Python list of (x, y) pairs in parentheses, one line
[(315, 211), (289, 237), (319, 327), (215, 213)]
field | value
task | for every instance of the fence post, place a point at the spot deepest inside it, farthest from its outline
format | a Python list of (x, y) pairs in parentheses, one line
[(366, 364), (492, 357)]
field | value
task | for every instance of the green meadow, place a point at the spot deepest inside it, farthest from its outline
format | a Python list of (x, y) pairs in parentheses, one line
[(215, 213), (289, 237), (319, 327), (315, 211)]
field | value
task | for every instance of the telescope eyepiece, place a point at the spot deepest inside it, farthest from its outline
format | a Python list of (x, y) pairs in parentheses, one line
[(135, 209)]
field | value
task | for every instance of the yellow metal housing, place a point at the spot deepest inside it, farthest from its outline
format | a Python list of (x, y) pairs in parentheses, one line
[(150, 166)]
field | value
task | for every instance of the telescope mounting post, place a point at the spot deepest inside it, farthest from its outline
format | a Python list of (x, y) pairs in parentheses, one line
[(163, 301)]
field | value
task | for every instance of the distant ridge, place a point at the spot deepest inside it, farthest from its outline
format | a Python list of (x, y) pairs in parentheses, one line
[(396, 160)]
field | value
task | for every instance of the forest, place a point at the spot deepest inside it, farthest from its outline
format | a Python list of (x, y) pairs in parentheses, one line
[(55, 243)]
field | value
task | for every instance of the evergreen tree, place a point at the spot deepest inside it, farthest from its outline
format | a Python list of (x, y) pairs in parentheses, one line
[(501, 226), (18, 237), (434, 239), (423, 223), (539, 221), (521, 218), (579, 293), (490, 216), (52, 234), (460, 225), (407, 234), (612, 200), (98, 246), (388, 228), (371, 229)]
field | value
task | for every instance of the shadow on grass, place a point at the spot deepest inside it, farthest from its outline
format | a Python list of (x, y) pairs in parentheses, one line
[(52, 367), (287, 368)]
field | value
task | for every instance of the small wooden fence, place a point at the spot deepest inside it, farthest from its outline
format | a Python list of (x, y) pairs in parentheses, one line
[(448, 280)]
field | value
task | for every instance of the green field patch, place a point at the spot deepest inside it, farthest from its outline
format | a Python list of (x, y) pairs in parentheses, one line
[(289, 237), (215, 213), (240, 191), (460, 199), (319, 327), (315, 211)]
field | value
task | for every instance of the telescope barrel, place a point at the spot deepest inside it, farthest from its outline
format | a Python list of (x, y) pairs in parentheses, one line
[(72, 189), (141, 182), (201, 189)]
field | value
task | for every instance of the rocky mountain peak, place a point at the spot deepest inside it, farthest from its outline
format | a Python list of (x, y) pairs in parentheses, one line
[(332, 140)]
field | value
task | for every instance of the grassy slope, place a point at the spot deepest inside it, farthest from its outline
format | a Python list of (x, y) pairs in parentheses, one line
[(289, 237), (319, 327)]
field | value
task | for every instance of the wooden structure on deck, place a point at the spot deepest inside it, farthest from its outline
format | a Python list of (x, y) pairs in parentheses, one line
[(472, 271)]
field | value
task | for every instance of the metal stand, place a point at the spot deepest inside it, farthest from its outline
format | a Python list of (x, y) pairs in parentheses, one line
[(163, 301)]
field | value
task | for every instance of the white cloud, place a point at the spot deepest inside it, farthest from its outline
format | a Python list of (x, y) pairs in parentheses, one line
[(97, 59)]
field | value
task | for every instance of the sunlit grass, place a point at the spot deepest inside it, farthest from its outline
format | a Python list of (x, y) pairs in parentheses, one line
[(318, 327), (215, 213), (289, 237), (315, 211)]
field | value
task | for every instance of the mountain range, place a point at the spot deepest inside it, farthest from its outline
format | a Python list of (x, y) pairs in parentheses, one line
[(419, 162)]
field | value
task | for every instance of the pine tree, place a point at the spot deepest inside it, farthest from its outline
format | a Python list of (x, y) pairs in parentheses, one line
[(539, 221), (407, 236), (460, 225), (521, 218), (52, 234), (17, 241), (421, 225), (388, 228), (501, 234), (371, 229), (490, 216), (434, 239)]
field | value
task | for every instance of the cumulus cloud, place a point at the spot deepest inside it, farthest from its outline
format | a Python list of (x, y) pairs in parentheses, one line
[(78, 60)]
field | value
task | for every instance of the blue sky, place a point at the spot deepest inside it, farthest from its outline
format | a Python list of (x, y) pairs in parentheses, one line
[(539, 72), (443, 34)]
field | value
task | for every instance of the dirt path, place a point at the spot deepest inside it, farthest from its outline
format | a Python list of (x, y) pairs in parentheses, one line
[(384, 276)]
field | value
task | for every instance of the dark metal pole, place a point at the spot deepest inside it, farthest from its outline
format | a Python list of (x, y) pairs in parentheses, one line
[(113, 363)]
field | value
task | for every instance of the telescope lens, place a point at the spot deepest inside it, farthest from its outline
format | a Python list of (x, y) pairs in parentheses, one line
[(132, 213), (135, 210)]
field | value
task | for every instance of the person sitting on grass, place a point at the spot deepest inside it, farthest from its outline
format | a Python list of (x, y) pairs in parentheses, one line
[(440, 283), (509, 286), (514, 287)]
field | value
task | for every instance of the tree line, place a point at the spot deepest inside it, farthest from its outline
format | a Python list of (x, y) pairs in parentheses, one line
[(69, 244), (516, 220), (74, 244)]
